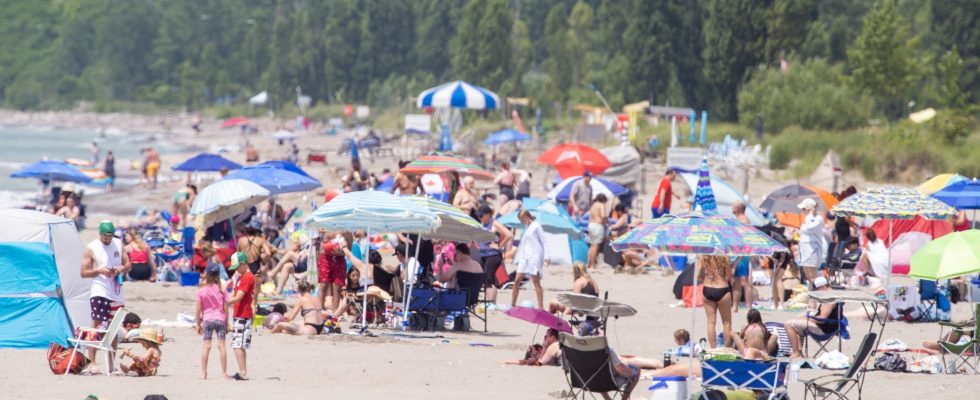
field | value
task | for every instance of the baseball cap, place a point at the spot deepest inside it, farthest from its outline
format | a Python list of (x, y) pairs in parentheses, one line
[(587, 174), (212, 268), (237, 259), (807, 204), (819, 282), (107, 228)]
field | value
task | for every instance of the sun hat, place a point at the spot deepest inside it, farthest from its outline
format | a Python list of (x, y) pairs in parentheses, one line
[(819, 282), (807, 204), (107, 228), (237, 259), (68, 187), (149, 335)]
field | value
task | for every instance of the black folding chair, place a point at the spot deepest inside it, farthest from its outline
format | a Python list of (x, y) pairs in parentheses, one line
[(836, 386), (473, 283), (588, 367)]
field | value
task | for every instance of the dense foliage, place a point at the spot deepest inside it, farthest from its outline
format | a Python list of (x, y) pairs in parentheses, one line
[(699, 53)]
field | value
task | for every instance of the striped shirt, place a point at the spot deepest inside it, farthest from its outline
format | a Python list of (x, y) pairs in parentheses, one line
[(533, 248)]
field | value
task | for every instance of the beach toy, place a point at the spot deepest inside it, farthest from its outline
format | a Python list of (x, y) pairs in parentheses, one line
[(272, 319)]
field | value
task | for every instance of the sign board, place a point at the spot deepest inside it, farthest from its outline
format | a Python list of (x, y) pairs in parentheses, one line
[(362, 112), (304, 101), (418, 123), (688, 158)]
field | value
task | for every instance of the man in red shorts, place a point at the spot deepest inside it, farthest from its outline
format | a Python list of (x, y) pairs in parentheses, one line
[(331, 269)]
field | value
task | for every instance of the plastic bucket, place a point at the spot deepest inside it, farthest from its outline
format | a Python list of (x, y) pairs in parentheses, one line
[(189, 278), (668, 388)]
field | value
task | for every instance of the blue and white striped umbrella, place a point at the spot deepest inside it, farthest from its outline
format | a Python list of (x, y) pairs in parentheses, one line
[(373, 211), (563, 190), (459, 94)]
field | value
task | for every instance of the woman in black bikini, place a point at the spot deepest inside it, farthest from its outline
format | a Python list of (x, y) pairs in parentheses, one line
[(309, 308), (716, 273)]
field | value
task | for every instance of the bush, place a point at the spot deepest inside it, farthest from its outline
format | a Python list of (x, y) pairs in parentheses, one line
[(812, 95)]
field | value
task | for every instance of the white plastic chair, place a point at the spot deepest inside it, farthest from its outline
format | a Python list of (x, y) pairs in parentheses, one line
[(104, 345)]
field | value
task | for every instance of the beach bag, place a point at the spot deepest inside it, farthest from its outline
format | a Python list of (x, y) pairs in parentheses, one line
[(698, 296), (890, 362), (58, 358)]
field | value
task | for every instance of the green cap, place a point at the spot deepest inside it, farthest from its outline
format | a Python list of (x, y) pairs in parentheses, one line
[(237, 259), (107, 228)]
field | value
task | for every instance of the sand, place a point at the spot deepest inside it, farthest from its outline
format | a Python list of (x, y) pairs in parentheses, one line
[(446, 366)]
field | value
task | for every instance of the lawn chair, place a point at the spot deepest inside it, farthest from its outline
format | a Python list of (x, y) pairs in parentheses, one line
[(823, 340), (928, 296), (837, 385), (588, 367), (764, 376), (105, 344), (964, 352), (473, 284)]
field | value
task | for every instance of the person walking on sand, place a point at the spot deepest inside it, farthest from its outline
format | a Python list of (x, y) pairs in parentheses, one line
[(105, 262), (152, 166), (109, 168), (532, 257), (241, 323), (597, 229), (212, 318), (665, 194)]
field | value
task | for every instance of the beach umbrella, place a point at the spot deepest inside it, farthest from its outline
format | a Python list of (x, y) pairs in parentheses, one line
[(206, 162), (454, 225), (539, 317), (504, 136), (234, 121), (445, 164), (288, 166), (725, 196), (458, 94), (373, 211), (51, 170), (963, 195), (283, 134), (950, 256), (697, 233), (892, 204), (275, 180), (563, 190), (704, 197), (938, 182), (782, 202), (227, 198), (573, 159), (553, 219)]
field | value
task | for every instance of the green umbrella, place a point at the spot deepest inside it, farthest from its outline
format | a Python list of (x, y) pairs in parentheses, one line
[(955, 254)]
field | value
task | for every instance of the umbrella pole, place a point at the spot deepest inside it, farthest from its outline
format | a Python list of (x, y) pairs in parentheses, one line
[(364, 282), (412, 285), (406, 287), (891, 244), (694, 309)]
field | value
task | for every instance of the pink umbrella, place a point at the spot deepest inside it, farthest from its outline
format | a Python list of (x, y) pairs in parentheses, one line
[(540, 317)]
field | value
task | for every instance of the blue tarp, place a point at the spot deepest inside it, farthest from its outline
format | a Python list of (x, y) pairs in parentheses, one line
[(32, 313)]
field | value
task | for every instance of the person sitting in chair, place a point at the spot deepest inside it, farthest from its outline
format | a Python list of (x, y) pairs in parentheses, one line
[(797, 328), (463, 264)]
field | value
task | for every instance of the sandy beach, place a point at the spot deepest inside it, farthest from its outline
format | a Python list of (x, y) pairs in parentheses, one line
[(440, 365)]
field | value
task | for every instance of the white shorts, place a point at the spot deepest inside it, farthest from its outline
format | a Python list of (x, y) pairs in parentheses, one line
[(241, 333), (527, 268)]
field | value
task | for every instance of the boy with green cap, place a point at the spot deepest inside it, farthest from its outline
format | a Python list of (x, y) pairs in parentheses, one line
[(105, 262), (241, 300)]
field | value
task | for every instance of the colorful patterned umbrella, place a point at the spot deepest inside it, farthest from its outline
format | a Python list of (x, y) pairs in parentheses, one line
[(704, 198), (696, 233), (440, 164), (893, 203)]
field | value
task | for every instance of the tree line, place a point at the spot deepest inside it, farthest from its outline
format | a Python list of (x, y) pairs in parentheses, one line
[(698, 53)]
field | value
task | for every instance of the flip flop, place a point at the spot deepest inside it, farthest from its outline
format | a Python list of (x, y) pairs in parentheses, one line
[(238, 377)]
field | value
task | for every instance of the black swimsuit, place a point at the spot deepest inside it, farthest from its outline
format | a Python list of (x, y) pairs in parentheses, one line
[(715, 294)]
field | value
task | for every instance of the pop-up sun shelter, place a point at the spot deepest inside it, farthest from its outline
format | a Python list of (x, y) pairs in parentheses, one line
[(41, 254)]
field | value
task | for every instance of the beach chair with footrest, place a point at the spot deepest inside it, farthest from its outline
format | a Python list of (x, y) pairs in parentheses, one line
[(588, 367), (764, 376), (104, 344), (964, 352), (837, 386)]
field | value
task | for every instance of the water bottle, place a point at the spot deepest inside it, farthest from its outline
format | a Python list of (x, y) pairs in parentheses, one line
[(667, 361)]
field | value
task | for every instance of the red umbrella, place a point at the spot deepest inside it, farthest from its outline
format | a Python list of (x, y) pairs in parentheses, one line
[(572, 159), (233, 122), (539, 317)]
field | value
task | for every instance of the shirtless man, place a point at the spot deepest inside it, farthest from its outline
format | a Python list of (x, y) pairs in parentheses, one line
[(404, 184), (597, 228), (549, 353), (464, 199)]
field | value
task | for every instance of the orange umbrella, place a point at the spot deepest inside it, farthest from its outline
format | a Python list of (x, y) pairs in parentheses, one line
[(783, 202)]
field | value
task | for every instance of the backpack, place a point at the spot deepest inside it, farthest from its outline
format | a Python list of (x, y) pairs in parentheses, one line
[(890, 362)]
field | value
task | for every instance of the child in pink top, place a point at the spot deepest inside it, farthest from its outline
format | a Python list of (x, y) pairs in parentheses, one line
[(212, 318)]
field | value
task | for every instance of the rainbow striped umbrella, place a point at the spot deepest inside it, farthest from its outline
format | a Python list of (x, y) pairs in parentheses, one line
[(441, 164), (696, 233)]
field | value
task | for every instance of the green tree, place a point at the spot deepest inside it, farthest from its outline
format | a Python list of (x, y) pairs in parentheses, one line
[(433, 30), (950, 71), (734, 43), (580, 27), (786, 27), (559, 60), (957, 23), (881, 60), (493, 52), (522, 55)]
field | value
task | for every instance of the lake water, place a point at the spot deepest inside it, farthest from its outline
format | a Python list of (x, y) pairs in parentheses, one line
[(23, 145)]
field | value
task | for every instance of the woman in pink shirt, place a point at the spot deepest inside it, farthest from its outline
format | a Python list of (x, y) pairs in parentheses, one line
[(212, 318)]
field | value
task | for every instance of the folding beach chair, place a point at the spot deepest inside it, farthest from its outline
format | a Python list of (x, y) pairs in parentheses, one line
[(588, 367), (836, 386), (928, 296), (473, 284), (785, 346), (104, 344), (965, 352), (825, 339), (764, 376)]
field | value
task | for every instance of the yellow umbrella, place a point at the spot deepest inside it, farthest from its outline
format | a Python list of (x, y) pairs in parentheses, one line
[(938, 182)]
